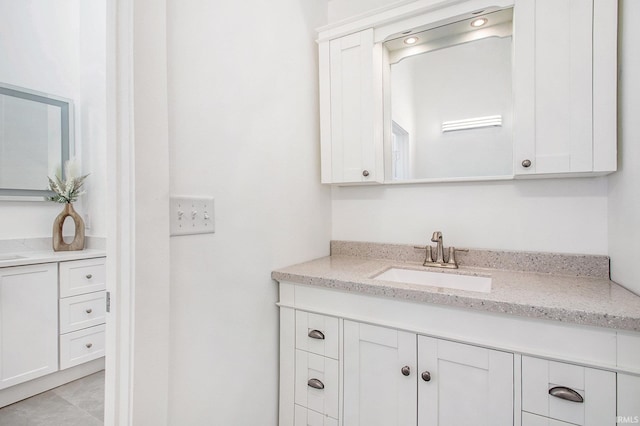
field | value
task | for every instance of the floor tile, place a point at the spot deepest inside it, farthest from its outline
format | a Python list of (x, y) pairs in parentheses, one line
[(78, 403)]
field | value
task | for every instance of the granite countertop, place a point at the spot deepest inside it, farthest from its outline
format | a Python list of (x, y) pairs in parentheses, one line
[(565, 296)]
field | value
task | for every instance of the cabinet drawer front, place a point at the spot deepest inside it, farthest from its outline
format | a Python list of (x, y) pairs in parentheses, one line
[(306, 417), (317, 334), (529, 419), (314, 371), (596, 387), (81, 346), (82, 311), (82, 276)]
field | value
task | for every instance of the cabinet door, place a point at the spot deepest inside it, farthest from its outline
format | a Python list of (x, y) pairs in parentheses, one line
[(28, 323), (628, 398), (461, 384), (377, 392), (352, 143), (565, 93)]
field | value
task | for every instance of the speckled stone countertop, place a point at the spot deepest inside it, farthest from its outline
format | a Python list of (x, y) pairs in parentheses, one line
[(563, 295)]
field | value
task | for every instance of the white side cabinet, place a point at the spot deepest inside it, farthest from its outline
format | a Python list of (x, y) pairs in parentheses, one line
[(28, 323), (351, 109), (565, 86), (82, 311)]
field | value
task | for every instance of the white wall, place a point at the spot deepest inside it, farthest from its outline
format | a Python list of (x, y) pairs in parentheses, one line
[(624, 199), (341, 9), (243, 126), (559, 215), (92, 112), (53, 47)]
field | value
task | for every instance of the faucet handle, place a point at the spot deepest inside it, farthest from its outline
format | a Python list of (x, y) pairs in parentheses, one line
[(429, 257), (452, 257), (436, 237)]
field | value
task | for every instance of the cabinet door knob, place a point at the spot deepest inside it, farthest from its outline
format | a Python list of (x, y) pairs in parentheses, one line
[(88, 345), (426, 376), (316, 334), (365, 173), (315, 383), (566, 393), (89, 276), (89, 310), (526, 163), (406, 370)]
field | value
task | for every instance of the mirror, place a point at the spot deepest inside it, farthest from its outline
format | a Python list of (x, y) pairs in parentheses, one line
[(36, 133), (449, 101)]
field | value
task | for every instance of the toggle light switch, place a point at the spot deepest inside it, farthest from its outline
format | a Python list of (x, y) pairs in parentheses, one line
[(191, 215)]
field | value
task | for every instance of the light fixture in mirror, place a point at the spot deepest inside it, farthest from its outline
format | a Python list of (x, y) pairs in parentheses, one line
[(450, 103), (36, 135)]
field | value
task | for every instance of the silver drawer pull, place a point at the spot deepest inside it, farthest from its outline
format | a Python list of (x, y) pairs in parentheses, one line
[(88, 345), (315, 383), (566, 393), (89, 276), (316, 334), (88, 310)]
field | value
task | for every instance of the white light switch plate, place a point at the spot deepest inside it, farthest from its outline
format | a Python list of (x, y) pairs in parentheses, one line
[(191, 215)]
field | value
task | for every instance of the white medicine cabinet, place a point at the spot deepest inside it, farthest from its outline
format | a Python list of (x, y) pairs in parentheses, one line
[(475, 90)]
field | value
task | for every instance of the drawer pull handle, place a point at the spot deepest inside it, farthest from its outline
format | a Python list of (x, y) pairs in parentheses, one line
[(88, 345), (315, 383), (316, 334), (566, 393), (406, 370), (88, 310), (89, 276), (426, 376)]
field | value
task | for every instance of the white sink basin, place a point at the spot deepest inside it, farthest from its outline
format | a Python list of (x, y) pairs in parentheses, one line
[(436, 279), (10, 257)]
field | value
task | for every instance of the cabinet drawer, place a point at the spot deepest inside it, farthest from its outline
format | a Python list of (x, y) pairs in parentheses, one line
[(597, 388), (82, 311), (82, 276), (81, 346), (316, 383), (529, 419), (317, 334), (306, 417)]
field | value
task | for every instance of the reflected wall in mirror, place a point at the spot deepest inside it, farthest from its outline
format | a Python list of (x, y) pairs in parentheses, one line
[(451, 100), (36, 134)]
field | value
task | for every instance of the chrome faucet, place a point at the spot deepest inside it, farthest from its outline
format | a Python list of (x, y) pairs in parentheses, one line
[(440, 261)]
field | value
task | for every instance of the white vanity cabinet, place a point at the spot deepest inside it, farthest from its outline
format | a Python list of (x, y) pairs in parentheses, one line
[(385, 361), (28, 322), (394, 377), (565, 73), (351, 109)]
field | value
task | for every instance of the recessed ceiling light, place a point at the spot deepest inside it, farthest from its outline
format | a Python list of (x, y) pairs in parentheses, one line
[(410, 40), (479, 22)]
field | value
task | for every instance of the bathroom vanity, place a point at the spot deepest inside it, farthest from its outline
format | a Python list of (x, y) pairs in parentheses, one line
[(52, 307), (553, 342)]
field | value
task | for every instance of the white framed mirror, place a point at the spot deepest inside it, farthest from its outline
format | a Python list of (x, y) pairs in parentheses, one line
[(449, 100), (36, 137)]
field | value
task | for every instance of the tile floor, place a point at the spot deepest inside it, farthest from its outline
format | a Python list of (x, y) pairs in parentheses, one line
[(79, 403)]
